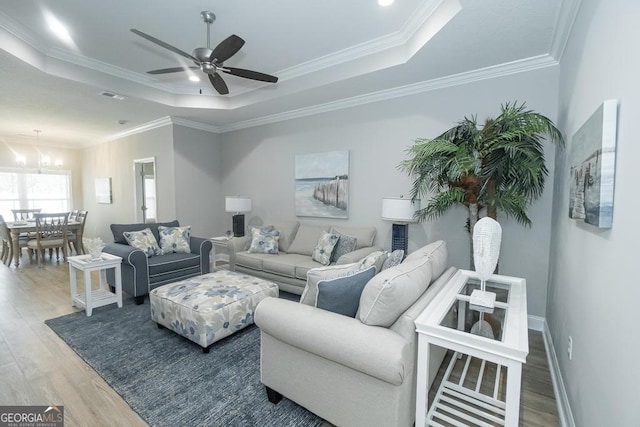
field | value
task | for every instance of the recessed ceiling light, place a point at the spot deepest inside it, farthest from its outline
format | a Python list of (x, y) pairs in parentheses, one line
[(385, 3), (194, 78)]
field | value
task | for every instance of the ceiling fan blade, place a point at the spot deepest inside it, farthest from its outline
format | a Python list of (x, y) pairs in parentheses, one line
[(249, 74), (164, 45), (226, 49), (172, 70), (218, 84)]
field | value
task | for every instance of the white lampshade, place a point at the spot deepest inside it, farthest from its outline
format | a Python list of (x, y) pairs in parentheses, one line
[(398, 209), (237, 204)]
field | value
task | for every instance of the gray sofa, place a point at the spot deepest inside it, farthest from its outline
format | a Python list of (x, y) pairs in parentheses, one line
[(295, 246), (141, 274), (347, 370)]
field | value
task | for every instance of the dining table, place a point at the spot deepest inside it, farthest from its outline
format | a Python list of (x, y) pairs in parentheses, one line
[(19, 227)]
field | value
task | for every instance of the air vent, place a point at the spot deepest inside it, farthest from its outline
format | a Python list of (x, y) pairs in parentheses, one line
[(112, 95)]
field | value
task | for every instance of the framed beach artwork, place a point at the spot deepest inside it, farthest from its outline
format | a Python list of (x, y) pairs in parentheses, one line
[(322, 184), (592, 167)]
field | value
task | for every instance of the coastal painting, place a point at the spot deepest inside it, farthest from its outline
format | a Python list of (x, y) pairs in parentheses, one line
[(322, 184), (592, 168)]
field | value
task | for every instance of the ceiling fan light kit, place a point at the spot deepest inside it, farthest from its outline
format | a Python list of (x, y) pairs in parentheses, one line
[(210, 61)]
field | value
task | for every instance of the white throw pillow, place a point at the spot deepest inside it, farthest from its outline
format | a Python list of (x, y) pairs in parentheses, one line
[(323, 250), (143, 240)]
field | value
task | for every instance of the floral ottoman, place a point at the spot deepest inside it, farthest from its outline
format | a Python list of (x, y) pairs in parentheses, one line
[(210, 307)]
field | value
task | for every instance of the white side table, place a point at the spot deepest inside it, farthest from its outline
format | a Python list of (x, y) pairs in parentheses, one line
[(449, 321), (90, 299), (220, 250)]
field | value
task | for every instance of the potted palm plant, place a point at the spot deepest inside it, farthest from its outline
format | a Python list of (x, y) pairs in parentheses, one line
[(499, 166)]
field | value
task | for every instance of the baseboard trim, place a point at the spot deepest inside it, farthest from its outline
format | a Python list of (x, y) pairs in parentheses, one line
[(536, 323), (562, 400)]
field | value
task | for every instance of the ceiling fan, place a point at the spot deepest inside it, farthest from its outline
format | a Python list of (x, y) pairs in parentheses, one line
[(210, 61)]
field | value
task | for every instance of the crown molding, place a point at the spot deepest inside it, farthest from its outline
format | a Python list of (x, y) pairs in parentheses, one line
[(390, 41), (515, 67), (564, 25), (195, 125), (154, 124)]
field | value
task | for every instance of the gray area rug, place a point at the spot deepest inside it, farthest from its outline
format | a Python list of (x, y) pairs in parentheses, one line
[(167, 379)]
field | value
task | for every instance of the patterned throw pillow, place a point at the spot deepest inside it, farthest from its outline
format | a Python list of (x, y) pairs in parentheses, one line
[(263, 229), (143, 240), (345, 245), (264, 242), (376, 258), (393, 259), (324, 248), (175, 239)]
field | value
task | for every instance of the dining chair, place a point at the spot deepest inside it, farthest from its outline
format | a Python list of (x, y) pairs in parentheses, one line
[(7, 247), (7, 243), (51, 233), (24, 214), (81, 217)]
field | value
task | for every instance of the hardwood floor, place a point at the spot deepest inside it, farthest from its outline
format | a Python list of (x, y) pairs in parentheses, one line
[(38, 368)]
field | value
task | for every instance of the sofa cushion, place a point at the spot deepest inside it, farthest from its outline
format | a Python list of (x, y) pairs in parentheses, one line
[(253, 261), (283, 265), (342, 294), (143, 240), (306, 239), (345, 245), (287, 231), (173, 265), (175, 239), (324, 248), (314, 275), (436, 252), (364, 235), (304, 265), (264, 242), (119, 229), (392, 291)]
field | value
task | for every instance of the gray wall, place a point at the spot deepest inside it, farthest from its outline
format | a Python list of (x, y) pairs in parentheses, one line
[(593, 289), (114, 159), (259, 162), (198, 194)]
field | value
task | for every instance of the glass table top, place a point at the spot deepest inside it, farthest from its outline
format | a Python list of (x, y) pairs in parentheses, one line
[(481, 321)]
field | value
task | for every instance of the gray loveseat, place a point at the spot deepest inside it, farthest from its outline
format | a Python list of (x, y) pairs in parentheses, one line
[(141, 274), (355, 371), (296, 243)]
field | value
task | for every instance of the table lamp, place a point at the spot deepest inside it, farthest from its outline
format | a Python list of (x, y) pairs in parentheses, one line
[(400, 211), (238, 205)]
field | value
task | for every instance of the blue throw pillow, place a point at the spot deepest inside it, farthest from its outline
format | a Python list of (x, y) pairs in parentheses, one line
[(342, 295)]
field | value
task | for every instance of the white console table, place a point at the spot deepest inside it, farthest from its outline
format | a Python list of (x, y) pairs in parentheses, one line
[(449, 321), (92, 298)]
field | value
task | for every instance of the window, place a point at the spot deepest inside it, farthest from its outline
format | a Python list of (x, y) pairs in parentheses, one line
[(29, 190)]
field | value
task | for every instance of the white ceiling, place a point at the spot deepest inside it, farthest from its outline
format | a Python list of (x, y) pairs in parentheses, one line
[(327, 54)]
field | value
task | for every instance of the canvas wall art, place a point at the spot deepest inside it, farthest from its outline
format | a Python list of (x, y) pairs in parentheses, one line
[(322, 184), (592, 167), (103, 190)]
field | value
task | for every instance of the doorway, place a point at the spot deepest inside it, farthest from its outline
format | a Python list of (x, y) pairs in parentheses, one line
[(144, 172)]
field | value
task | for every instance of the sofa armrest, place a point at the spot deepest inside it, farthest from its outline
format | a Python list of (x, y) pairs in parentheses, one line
[(202, 247), (357, 255), (129, 254), (235, 245), (372, 350)]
